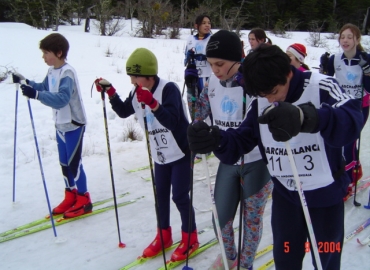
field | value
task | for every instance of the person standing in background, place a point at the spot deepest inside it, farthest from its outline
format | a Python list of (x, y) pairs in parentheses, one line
[(256, 37), (352, 70), (196, 50)]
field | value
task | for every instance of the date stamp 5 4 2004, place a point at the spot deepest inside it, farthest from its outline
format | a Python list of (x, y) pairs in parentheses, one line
[(323, 247)]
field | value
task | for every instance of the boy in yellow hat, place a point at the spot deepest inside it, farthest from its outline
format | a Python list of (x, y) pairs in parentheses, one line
[(167, 125)]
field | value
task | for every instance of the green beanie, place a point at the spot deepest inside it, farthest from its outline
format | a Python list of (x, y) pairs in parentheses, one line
[(142, 62)]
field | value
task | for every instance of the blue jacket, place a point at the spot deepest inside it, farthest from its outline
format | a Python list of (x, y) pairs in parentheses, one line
[(170, 113)]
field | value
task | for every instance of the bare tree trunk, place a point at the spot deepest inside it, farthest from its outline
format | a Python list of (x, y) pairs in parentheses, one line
[(43, 15), (334, 5), (182, 12), (87, 21), (221, 20), (58, 12), (34, 22), (183, 6)]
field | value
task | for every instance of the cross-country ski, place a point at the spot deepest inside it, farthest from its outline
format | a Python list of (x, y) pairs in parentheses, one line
[(59, 221), (364, 241)]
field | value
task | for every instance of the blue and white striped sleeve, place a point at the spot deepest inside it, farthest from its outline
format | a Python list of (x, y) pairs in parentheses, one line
[(340, 117)]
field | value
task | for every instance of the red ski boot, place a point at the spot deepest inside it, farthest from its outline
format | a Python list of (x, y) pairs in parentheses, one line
[(155, 247), (82, 206), (180, 252), (70, 198)]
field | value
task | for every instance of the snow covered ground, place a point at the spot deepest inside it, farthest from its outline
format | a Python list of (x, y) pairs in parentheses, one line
[(92, 243)]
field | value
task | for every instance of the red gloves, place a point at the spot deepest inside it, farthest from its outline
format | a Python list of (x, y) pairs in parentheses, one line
[(103, 85), (145, 96)]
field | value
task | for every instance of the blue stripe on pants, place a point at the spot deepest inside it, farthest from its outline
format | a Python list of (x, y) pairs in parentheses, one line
[(70, 149)]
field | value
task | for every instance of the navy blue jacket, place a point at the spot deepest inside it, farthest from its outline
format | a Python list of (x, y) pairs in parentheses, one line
[(170, 113)]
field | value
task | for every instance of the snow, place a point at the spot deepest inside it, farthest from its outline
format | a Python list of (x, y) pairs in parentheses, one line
[(92, 242)]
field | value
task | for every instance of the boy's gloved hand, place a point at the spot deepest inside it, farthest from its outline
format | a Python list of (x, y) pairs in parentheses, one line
[(203, 138), (145, 96), (17, 77), (364, 63), (104, 85), (286, 120), (28, 91)]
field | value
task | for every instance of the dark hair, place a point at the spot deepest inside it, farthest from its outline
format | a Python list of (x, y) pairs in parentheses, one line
[(55, 43), (264, 68), (260, 34), (356, 32), (305, 66), (199, 19)]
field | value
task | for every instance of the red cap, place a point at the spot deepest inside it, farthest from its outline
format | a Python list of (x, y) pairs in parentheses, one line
[(298, 50)]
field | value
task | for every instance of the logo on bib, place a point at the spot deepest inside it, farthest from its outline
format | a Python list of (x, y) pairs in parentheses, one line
[(161, 157), (229, 106), (149, 117), (351, 77)]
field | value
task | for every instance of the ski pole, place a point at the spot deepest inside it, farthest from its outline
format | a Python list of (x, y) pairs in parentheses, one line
[(356, 203), (192, 157), (215, 214), (120, 244), (153, 183), (183, 90), (15, 137), (304, 205), (241, 208), (241, 194), (357, 168), (41, 170), (368, 204)]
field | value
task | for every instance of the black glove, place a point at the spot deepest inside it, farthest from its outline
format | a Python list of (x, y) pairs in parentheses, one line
[(283, 119), (17, 78), (286, 120), (191, 78), (28, 91), (189, 56), (310, 117), (203, 138), (364, 64), (200, 57), (324, 61)]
